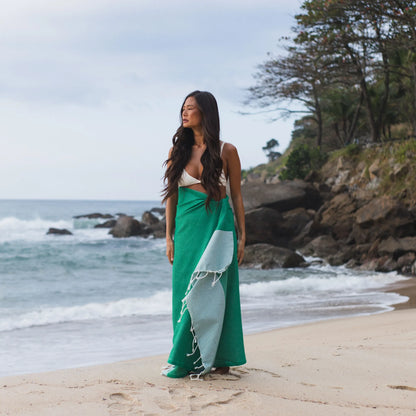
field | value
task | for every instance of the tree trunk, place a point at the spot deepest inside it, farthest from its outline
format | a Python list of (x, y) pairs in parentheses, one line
[(374, 129), (318, 117), (414, 99), (355, 120), (386, 93)]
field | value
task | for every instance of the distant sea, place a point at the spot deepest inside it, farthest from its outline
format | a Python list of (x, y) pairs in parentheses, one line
[(69, 301)]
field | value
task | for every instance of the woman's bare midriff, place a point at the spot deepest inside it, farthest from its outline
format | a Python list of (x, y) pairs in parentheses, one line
[(198, 187)]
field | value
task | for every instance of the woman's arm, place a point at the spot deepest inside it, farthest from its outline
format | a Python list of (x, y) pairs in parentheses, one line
[(234, 175), (171, 203)]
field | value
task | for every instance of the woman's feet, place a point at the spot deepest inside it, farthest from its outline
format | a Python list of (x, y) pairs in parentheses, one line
[(175, 372), (221, 370)]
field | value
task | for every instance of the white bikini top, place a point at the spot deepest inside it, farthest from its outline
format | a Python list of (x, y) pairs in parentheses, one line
[(186, 179)]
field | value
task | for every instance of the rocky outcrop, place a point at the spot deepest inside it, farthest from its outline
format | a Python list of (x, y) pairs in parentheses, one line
[(263, 225), (381, 218), (340, 216), (149, 218), (267, 256), (58, 231), (282, 196), (95, 215), (107, 224), (127, 226), (156, 226)]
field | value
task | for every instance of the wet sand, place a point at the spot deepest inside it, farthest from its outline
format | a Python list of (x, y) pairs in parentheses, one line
[(352, 366)]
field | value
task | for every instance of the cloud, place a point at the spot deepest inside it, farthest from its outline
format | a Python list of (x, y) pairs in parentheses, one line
[(87, 52), (90, 90)]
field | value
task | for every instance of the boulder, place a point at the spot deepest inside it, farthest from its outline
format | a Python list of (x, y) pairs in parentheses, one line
[(338, 215), (282, 196), (386, 264), (399, 171), (107, 224), (322, 246), (295, 220), (405, 262), (58, 231), (374, 169), (149, 219), (342, 256), (408, 244), (380, 218), (127, 226), (378, 210), (396, 246), (391, 247), (263, 225), (159, 229), (268, 256), (311, 230), (95, 215), (158, 210)]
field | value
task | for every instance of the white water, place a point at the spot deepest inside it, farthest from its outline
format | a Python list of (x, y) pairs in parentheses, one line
[(69, 301)]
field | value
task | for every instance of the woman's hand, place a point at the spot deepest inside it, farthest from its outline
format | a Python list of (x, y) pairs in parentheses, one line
[(240, 251), (169, 250)]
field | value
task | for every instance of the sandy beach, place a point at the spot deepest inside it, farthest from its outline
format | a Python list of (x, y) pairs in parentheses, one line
[(353, 366)]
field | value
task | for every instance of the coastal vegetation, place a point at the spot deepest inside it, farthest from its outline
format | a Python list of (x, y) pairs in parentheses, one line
[(349, 70), (345, 188)]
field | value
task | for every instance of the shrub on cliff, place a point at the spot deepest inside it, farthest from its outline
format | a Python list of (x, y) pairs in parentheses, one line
[(301, 161)]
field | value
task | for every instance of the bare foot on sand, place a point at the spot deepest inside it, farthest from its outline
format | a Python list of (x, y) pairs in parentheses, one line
[(221, 370)]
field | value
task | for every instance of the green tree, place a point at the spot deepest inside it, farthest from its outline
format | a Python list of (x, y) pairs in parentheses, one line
[(297, 77), (301, 161), (269, 149), (358, 35)]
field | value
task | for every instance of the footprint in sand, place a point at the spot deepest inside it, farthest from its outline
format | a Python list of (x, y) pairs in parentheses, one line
[(403, 388), (123, 404), (260, 370)]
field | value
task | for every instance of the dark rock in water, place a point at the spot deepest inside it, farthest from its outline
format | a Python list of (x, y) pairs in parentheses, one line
[(127, 226), (268, 256), (343, 255), (405, 262), (94, 216), (159, 229), (386, 264), (107, 224), (149, 219), (322, 246), (120, 214), (155, 226), (159, 210), (59, 231), (282, 196)]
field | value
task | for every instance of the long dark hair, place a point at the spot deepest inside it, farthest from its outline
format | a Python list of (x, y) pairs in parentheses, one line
[(182, 142)]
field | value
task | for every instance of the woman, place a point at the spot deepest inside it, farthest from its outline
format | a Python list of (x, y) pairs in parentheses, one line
[(201, 243)]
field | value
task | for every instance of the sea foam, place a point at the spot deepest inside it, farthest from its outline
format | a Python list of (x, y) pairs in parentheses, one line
[(157, 304)]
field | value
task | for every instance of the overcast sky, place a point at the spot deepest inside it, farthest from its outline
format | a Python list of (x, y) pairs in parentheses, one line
[(90, 90)]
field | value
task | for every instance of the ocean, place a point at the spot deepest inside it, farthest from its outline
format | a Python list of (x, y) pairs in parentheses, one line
[(88, 298)]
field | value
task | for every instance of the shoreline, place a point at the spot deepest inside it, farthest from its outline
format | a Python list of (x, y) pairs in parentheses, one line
[(342, 366), (405, 288)]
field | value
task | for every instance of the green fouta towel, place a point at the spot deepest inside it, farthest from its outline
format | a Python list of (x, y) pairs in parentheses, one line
[(205, 286)]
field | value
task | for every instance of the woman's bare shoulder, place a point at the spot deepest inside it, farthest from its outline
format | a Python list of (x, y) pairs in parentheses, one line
[(229, 148)]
